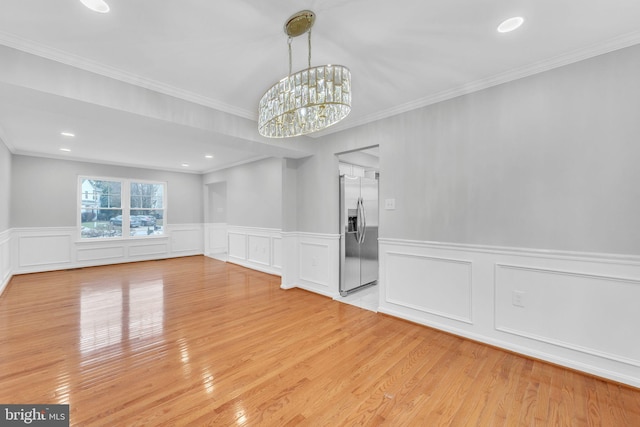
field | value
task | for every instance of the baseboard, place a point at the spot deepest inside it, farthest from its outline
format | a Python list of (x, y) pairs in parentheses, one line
[(4, 283), (253, 266)]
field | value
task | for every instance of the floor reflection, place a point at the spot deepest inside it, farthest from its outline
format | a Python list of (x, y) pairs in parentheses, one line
[(119, 313), (100, 318), (146, 309)]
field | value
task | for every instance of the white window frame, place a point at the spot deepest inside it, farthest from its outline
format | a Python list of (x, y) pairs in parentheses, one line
[(125, 207)]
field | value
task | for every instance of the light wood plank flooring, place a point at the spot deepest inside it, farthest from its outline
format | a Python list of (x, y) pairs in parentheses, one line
[(194, 341)]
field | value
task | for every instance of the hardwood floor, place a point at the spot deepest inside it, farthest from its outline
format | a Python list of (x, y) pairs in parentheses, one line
[(194, 341)]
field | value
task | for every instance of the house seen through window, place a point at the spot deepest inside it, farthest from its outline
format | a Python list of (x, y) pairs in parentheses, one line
[(121, 208)]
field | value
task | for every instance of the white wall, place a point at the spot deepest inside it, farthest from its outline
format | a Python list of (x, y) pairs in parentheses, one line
[(254, 193), (548, 162), (5, 232), (217, 203), (5, 186), (44, 191)]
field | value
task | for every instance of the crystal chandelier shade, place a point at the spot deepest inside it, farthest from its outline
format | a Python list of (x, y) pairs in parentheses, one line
[(309, 100)]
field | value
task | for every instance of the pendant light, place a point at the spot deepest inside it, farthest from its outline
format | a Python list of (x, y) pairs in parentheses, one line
[(309, 100)]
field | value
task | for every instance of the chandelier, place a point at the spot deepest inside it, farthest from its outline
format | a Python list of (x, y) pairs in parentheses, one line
[(309, 100)]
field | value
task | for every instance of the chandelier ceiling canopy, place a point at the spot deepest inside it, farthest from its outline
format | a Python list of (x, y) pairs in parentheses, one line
[(309, 100)]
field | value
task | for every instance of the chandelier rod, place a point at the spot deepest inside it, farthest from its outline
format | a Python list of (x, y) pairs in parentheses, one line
[(289, 43), (309, 66), (289, 40)]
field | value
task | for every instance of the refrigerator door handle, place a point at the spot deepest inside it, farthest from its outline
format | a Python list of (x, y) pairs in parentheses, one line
[(363, 220)]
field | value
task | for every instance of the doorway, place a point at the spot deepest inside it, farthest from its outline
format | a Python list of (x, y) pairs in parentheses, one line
[(359, 212)]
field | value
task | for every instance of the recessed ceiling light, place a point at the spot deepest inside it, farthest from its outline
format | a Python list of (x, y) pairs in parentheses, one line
[(96, 5), (510, 24), (185, 165), (68, 134), (66, 150), (208, 156)]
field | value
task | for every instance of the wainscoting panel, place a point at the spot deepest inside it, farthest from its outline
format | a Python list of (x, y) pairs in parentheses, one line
[(216, 240), (318, 263), (578, 310), (5, 259), (571, 310), (255, 248), (157, 247), (259, 249), (44, 250), (439, 286), (55, 248), (99, 253), (276, 252), (237, 246), (314, 261), (187, 239)]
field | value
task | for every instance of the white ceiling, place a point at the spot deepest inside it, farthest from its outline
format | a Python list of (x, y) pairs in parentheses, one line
[(224, 55)]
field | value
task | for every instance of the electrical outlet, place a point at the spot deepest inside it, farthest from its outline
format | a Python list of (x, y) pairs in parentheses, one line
[(517, 298), (390, 204)]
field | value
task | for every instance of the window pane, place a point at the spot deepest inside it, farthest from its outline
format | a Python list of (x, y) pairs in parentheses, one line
[(101, 223), (105, 194), (144, 195), (147, 214), (156, 202), (100, 201), (146, 222)]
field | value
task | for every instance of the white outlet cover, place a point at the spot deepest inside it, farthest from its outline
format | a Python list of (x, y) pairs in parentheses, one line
[(517, 298), (389, 204)]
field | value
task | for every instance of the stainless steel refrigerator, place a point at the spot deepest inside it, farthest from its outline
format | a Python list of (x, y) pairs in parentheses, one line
[(358, 233)]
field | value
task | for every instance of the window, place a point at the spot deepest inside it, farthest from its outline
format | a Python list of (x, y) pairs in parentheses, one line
[(146, 208), (121, 208)]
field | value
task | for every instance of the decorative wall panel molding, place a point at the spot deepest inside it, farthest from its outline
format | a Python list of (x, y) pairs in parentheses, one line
[(55, 248), (187, 239), (256, 248), (318, 263), (237, 246), (574, 309), (97, 253), (276, 252), (259, 249), (216, 240), (160, 248), (569, 309), (440, 286), (5, 259), (47, 249), (314, 261)]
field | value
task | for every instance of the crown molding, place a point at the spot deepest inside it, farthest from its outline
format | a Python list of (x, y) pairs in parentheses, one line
[(234, 164), (76, 61), (72, 158), (613, 44), (48, 52)]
